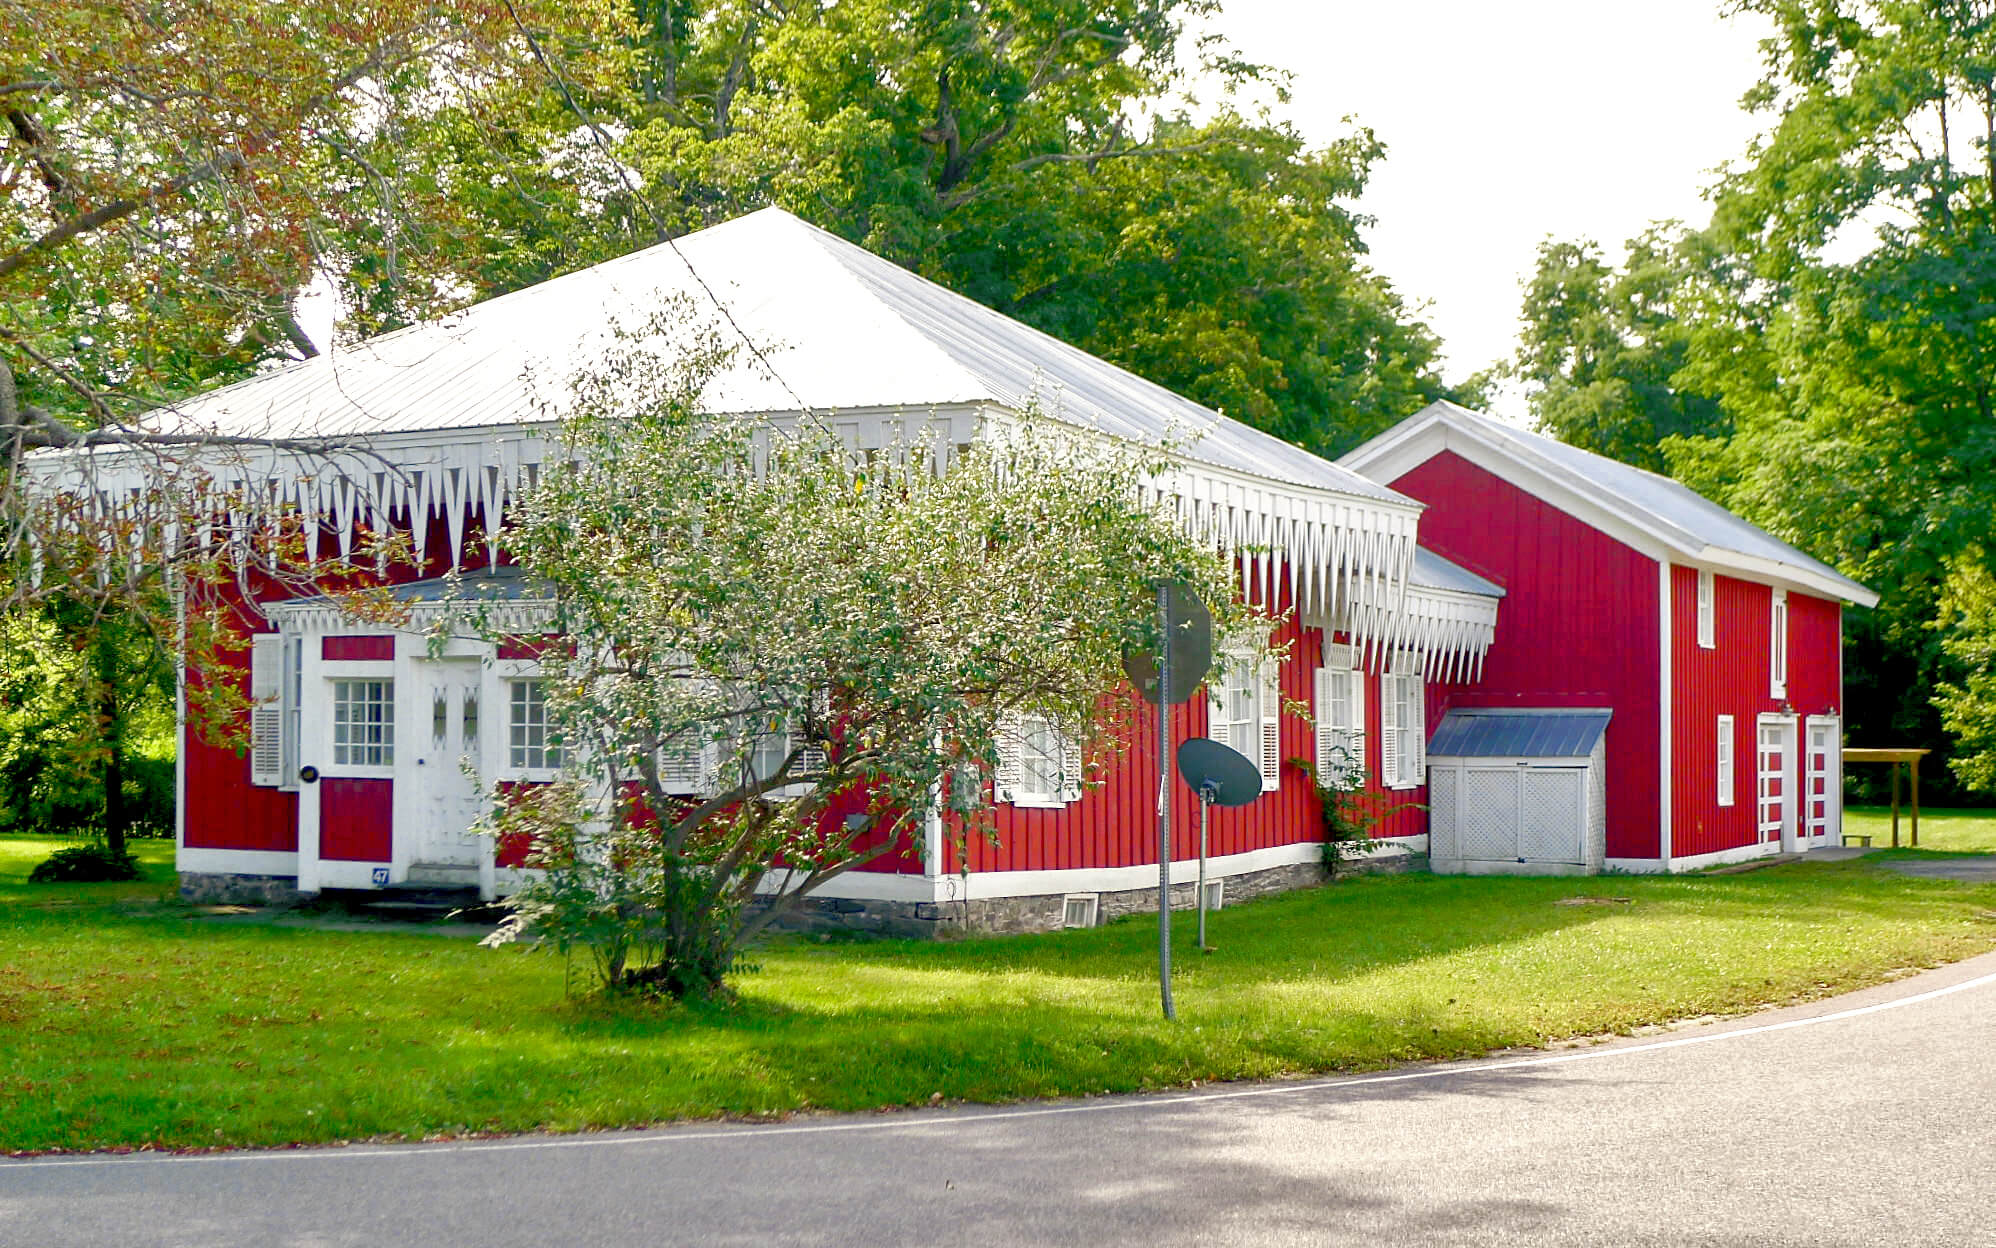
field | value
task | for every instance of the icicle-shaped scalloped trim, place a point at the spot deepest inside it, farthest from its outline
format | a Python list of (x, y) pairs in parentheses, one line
[(1330, 551), (1336, 554), (1451, 632)]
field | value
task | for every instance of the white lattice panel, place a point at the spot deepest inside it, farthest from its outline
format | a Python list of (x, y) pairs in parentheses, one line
[(1488, 820), (1552, 814), (1442, 813)]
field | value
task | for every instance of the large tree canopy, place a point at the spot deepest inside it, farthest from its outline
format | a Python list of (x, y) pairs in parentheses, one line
[(1843, 403)]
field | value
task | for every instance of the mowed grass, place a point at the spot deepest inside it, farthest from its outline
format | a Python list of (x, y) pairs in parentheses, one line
[(131, 1021), (1941, 831)]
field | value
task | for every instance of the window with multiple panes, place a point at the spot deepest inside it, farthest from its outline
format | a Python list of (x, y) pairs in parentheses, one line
[(1777, 645), (1403, 747), (531, 741), (1707, 610), (1244, 703), (363, 723), (1340, 713), (1726, 747)]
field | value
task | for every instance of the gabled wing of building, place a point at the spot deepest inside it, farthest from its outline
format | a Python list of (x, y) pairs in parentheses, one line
[(1647, 508)]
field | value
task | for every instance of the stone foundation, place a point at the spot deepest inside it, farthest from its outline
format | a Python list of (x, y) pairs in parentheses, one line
[(1044, 912), (216, 888)]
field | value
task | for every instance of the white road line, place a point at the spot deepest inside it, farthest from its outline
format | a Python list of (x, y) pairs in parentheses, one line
[(670, 1135)]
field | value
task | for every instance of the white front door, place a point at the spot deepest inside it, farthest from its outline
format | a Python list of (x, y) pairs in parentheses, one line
[(449, 785), (1774, 787), (1822, 783)]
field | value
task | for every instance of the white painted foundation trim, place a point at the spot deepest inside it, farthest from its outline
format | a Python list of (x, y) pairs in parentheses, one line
[(1724, 857), (885, 886), (236, 861), (862, 886), (1695, 862)]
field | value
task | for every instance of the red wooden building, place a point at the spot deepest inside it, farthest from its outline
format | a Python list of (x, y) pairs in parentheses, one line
[(1715, 647), (1546, 584)]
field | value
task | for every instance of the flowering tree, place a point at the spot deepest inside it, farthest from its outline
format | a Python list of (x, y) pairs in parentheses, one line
[(781, 655)]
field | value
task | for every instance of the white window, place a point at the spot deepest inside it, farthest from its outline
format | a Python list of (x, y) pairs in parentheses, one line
[(1727, 787), (1707, 610), (1777, 646), (1039, 764), (1340, 713), (1244, 712), (363, 723), (531, 741), (1403, 746)]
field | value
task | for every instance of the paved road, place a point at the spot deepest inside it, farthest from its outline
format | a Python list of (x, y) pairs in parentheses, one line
[(1866, 1120)]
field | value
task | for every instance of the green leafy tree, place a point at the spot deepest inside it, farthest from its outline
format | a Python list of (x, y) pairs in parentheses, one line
[(825, 646), (1832, 327)]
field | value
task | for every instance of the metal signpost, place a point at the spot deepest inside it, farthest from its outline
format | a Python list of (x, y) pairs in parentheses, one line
[(1186, 651)]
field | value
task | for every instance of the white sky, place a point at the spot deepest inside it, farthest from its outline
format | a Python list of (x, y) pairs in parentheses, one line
[(1508, 122)]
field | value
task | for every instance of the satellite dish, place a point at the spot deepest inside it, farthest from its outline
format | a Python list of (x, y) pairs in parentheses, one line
[(1219, 774), (1191, 627)]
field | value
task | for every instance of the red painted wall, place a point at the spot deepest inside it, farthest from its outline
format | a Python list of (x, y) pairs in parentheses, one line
[(1115, 823), (356, 815), (1578, 625), (223, 809), (1732, 678)]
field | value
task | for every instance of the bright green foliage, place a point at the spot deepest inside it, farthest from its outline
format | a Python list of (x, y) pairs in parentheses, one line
[(1601, 348), (260, 1033), (831, 639), (1843, 404), (1968, 704)]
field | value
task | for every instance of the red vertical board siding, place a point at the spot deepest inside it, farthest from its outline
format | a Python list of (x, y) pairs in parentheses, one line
[(224, 810), (355, 818), (1815, 655), (1733, 678), (1114, 824), (1578, 625)]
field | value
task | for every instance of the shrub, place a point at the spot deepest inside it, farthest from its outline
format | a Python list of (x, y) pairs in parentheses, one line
[(85, 864)]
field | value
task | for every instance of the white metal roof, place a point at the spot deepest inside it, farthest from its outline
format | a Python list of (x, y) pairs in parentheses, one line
[(1665, 512), (839, 328)]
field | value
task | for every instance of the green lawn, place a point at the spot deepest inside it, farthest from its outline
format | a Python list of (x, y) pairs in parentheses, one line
[(131, 1021), (1944, 831)]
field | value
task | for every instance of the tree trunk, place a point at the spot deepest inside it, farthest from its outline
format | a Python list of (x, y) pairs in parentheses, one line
[(117, 816)]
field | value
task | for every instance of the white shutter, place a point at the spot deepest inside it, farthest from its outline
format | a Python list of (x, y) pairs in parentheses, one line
[(1725, 768), (1006, 783), (1271, 725), (1389, 731), (1356, 683), (1070, 767), (1414, 725), (680, 769), (266, 709), (1329, 680), (1706, 594)]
